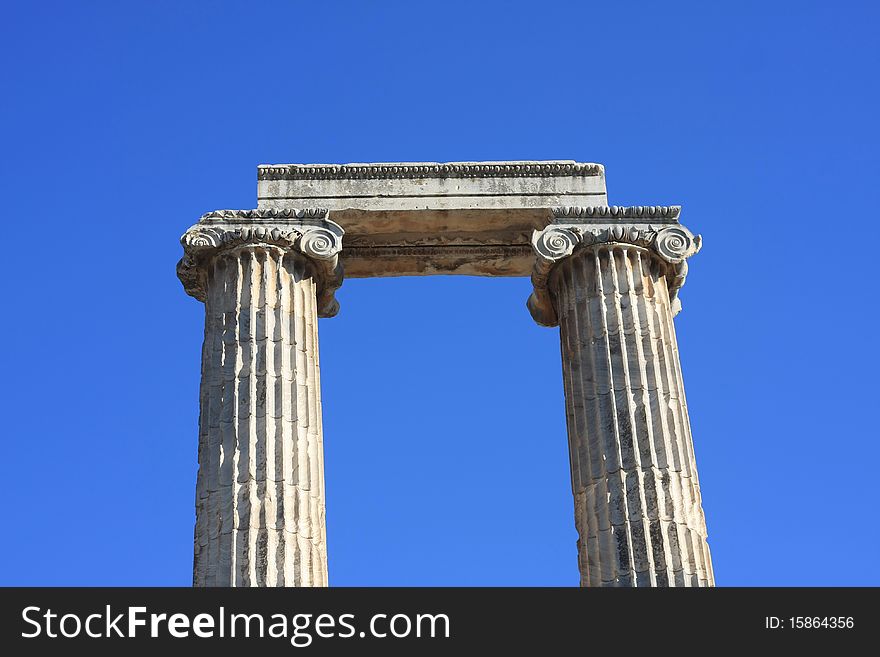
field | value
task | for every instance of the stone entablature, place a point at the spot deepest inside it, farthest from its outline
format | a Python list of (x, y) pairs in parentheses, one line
[(412, 219)]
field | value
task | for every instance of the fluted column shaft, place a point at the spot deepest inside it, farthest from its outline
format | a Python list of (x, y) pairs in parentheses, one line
[(265, 276), (637, 499), (260, 489)]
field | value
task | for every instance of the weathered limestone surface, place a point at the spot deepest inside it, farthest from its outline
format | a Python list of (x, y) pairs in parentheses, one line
[(260, 488), (607, 276), (611, 287)]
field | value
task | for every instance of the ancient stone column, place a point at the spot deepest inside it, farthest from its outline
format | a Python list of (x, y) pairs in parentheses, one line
[(609, 277), (265, 277)]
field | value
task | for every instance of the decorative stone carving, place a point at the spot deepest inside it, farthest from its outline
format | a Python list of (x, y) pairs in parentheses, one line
[(553, 244), (307, 231), (423, 170), (584, 213), (676, 243), (579, 227), (267, 213)]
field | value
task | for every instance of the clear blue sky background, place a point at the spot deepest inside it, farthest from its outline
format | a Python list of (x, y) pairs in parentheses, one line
[(446, 458)]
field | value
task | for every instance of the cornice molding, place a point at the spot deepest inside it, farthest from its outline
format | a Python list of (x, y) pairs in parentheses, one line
[(672, 243), (656, 212), (426, 170), (318, 239), (266, 213)]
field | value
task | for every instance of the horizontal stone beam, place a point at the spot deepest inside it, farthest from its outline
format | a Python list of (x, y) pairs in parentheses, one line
[(408, 212), (417, 185)]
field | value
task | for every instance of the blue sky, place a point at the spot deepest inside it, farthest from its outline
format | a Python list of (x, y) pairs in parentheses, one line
[(446, 458)]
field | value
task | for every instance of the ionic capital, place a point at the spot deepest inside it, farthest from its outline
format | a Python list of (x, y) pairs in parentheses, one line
[(572, 228), (308, 232)]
